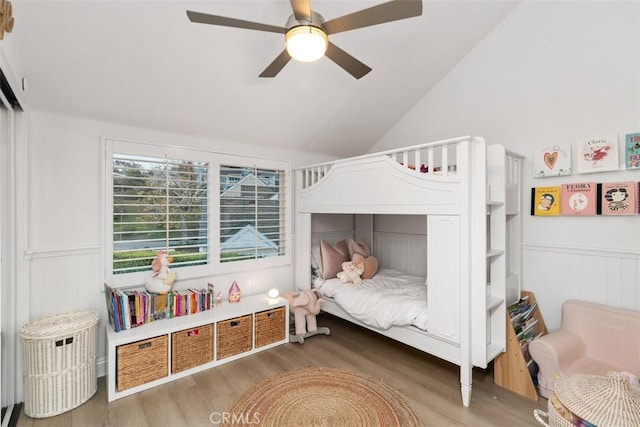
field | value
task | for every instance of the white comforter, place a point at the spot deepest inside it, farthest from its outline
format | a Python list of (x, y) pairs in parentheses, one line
[(389, 298)]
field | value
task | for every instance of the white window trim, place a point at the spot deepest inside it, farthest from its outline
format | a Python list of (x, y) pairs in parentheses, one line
[(215, 159)]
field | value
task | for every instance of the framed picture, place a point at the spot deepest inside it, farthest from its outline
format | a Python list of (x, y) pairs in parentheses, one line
[(552, 161), (597, 154)]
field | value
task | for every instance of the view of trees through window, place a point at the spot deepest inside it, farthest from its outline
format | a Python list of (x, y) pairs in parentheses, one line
[(164, 204), (159, 204)]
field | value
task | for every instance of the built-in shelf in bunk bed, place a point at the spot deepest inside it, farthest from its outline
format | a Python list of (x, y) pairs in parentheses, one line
[(470, 195)]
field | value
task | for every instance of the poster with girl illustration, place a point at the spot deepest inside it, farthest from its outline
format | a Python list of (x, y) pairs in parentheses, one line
[(597, 154)]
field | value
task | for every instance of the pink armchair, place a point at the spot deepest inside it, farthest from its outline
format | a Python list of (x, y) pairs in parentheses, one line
[(593, 339)]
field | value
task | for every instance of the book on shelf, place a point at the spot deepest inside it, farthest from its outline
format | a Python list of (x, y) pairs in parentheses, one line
[(545, 201), (597, 154), (578, 199), (528, 330), (618, 198), (632, 150), (552, 161)]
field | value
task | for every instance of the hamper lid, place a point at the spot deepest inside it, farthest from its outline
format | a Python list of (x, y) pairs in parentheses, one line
[(62, 324), (601, 400)]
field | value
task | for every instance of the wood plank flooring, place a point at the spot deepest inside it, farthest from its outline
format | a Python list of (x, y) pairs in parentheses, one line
[(430, 385)]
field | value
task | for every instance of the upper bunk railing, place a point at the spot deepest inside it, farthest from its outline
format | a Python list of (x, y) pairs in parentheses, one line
[(513, 168), (428, 159)]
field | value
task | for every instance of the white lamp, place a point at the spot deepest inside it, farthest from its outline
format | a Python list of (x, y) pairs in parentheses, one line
[(273, 293), (306, 43)]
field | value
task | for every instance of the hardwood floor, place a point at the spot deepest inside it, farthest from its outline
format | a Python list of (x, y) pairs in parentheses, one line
[(430, 385)]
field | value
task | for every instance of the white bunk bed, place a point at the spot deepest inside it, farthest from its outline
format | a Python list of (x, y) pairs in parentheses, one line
[(470, 194)]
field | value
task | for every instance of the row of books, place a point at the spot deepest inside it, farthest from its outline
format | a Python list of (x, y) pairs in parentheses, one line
[(586, 199), (129, 308), (525, 326)]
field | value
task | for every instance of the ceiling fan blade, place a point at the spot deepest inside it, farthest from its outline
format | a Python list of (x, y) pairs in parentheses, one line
[(350, 64), (385, 12), (277, 65), (301, 10), (204, 18)]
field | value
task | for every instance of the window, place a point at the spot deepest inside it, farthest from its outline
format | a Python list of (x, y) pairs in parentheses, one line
[(213, 213), (158, 204), (251, 215)]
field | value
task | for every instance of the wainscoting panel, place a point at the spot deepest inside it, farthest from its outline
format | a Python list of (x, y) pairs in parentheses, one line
[(556, 273), (401, 251), (68, 279)]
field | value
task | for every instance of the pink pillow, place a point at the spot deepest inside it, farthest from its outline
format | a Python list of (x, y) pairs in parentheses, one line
[(370, 265), (332, 258), (358, 247)]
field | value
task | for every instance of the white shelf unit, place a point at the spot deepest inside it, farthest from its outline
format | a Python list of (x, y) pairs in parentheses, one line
[(250, 305), (503, 245)]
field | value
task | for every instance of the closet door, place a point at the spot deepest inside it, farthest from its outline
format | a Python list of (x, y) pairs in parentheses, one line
[(9, 375), (5, 287)]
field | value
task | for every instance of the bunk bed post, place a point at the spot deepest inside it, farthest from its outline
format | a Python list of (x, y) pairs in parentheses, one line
[(465, 168), (302, 238)]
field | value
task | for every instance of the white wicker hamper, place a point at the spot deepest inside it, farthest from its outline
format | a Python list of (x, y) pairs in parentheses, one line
[(59, 353)]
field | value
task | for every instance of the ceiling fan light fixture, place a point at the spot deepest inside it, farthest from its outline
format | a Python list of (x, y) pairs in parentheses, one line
[(306, 43)]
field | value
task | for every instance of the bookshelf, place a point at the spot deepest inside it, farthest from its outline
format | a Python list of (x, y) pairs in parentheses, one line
[(511, 369), (159, 352)]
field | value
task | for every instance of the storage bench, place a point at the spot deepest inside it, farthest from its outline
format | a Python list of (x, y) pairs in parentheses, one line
[(164, 350)]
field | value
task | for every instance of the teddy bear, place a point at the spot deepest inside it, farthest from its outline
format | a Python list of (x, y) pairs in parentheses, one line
[(304, 306), (351, 272)]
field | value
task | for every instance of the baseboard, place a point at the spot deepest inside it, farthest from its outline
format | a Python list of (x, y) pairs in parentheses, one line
[(102, 367)]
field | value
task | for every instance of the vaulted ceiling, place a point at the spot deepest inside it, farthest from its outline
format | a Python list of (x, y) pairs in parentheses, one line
[(144, 63)]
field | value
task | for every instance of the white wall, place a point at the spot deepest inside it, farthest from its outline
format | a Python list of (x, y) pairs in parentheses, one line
[(64, 256), (551, 72)]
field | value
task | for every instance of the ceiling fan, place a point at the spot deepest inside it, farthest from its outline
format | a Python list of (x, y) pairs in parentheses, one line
[(306, 32)]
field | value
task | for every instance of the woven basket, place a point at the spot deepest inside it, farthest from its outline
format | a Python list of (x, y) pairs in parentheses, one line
[(191, 347), (234, 336), (141, 362), (59, 357), (603, 401), (270, 326), (557, 415)]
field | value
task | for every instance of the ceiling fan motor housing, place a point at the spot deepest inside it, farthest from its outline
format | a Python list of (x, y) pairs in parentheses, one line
[(316, 21)]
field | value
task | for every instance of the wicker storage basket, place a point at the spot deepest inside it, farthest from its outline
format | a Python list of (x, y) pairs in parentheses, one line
[(141, 362), (191, 347), (59, 354), (603, 401), (270, 326), (234, 336), (553, 416)]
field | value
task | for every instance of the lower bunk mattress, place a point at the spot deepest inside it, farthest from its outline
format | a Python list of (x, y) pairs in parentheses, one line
[(390, 298)]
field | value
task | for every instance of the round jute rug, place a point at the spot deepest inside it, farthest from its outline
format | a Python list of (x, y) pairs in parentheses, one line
[(321, 397)]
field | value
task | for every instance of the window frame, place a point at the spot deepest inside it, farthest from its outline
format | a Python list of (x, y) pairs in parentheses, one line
[(215, 160)]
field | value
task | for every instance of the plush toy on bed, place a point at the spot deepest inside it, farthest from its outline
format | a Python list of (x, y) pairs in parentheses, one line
[(351, 272)]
